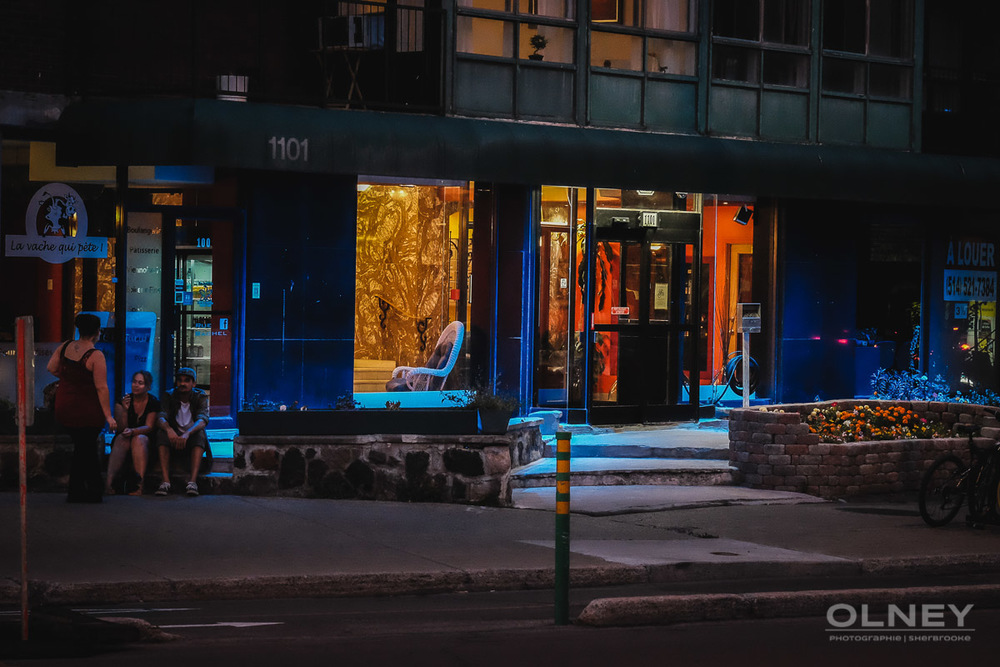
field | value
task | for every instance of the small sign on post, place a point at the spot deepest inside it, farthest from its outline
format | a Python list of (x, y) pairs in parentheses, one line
[(747, 322)]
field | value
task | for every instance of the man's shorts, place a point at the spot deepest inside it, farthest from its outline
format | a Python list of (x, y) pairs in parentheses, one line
[(196, 439), (182, 456)]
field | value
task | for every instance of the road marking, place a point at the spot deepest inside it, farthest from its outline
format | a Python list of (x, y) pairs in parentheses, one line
[(221, 624), (135, 610)]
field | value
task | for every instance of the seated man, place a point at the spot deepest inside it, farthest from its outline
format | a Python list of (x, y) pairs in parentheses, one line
[(182, 421)]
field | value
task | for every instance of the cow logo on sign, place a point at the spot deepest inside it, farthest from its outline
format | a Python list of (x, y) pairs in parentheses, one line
[(57, 211), (56, 228)]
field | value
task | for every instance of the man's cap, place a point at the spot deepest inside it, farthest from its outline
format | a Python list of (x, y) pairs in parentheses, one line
[(186, 371)]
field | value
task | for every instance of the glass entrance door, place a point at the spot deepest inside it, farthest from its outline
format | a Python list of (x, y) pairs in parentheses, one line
[(203, 324), (642, 328)]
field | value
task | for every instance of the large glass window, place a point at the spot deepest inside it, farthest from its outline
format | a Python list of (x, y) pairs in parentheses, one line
[(58, 260), (412, 278), (560, 341)]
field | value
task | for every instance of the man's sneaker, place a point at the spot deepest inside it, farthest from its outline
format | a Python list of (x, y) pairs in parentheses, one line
[(191, 489), (163, 489)]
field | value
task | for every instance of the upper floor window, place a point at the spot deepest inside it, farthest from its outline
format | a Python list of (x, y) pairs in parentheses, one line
[(561, 9), (880, 28), (512, 29), (667, 15), (761, 41), (868, 48), (629, 35)]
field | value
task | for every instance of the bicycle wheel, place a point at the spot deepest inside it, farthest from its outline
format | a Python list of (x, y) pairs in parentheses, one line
[(942, 490), (983, 502)]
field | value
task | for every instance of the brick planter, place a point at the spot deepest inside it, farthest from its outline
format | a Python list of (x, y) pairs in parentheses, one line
[(473, 469), (775, 450)]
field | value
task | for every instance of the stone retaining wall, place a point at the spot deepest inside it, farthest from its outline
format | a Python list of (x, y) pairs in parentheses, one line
[(47, 459), (472, 469), (774, 449)]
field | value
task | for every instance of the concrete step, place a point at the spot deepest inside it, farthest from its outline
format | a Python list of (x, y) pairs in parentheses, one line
[(626, 451), (708, 440), (627, 472)]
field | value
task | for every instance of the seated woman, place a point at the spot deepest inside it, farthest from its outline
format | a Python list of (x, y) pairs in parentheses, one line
[(136, 417)]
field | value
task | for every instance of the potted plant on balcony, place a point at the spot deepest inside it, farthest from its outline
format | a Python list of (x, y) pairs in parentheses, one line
[(538, 42)]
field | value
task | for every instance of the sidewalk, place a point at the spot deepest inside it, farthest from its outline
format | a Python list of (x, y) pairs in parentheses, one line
[(175, 548)]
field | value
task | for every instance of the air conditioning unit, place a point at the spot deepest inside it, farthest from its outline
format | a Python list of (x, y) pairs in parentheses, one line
[(359, 31)]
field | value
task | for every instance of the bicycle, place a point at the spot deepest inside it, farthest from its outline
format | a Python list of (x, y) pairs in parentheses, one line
[(948, 484)]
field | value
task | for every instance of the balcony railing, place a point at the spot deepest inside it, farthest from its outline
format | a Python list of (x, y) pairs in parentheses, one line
[(381, 55)]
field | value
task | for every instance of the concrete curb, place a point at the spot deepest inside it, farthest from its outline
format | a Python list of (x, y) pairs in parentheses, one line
[(670, 609), (453, 581)]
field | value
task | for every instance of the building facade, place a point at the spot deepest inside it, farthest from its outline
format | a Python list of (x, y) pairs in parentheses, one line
[(295, 200)]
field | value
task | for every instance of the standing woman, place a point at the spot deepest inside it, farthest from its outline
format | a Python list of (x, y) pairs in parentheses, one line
[(83, 406), (136, 418)]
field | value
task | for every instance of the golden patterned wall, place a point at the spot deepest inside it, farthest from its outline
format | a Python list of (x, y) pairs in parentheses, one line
[(402, 272)]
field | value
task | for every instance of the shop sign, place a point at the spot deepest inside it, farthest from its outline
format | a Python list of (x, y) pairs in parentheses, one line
[(620, 310), (55, 226), (971, 273)]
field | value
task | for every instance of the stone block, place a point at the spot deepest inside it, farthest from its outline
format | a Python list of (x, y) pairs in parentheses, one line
[(484, 492), (265, 459), (293, 469), (779, 459), (798, 429), (497, 460), (464, 462)]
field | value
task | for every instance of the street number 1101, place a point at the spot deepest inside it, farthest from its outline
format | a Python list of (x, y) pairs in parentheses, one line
[(289, 148)]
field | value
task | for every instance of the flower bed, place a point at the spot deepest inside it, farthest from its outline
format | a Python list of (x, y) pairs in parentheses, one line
[(782, 447), (838, 423)]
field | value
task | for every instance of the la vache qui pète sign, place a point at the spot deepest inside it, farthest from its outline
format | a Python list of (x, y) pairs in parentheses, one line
[(55, 225)]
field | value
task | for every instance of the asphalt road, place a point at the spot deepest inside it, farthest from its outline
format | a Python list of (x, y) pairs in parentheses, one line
[(503, 628)]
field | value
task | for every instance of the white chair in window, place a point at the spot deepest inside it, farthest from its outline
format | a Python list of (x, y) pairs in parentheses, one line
[(432, 375)]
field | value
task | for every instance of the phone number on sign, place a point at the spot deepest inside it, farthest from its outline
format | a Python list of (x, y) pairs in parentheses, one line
[(970, 286)]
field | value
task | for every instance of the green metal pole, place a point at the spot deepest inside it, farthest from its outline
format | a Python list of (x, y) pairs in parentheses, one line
[(562, 528)]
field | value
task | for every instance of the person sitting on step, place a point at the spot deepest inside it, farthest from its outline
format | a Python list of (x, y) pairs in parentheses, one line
[(182, 420), (135, 415)]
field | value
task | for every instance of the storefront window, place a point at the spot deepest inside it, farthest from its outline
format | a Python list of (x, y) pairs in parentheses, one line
[(559, 345), (412, 279), (727, 258), (58, 240)]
